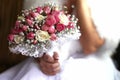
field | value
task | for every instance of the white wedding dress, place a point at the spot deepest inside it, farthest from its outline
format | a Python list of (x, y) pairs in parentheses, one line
[(78, 66)]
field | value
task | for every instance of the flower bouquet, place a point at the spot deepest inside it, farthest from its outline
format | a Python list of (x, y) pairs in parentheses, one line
[(41, 29)]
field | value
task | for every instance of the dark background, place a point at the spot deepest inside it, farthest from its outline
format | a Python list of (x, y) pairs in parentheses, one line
[(8, 14), (116, 57)]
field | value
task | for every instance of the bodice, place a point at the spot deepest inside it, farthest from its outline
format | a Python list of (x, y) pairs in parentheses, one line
[(34, 3)]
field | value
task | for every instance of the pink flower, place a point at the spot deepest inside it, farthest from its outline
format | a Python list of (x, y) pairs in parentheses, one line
[(16, 30), (56, 15), (50, 20), (24, 28), (39, 9), (51, 29), (29, 22), (34, 14), (11, 37), (47, 9), (60, 27), (17, 23), (28, 17), (30, 35), (70, 25), (35, 42), (45, 27), (53, 37)]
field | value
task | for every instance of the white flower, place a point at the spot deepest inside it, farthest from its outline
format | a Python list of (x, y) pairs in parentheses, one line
[(18, 38), (21, 18), (42, 35), (63, 19), (40, 17)]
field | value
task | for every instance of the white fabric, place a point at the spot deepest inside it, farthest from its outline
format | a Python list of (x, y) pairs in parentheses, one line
[(106, 16), (78, 66)]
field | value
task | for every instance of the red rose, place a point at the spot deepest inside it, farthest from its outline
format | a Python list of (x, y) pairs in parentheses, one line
[(60, 27)]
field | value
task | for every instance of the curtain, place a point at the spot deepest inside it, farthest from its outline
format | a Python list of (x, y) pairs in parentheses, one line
[(8, 14)]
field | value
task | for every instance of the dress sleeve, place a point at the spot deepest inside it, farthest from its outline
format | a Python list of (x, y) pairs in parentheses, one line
[(106, 17)]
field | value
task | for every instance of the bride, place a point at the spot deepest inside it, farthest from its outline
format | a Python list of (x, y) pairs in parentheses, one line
[(91, 60)]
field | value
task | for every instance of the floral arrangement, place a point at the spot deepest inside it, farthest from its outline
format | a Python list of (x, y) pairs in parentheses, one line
[(40, 29)]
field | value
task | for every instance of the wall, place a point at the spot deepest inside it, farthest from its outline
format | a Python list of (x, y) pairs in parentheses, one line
[(8, 14)]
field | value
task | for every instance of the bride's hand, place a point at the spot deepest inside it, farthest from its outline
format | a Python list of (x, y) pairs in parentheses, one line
[(49, 65)]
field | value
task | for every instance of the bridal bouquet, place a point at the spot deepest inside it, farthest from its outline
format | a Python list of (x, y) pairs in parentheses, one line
[(41, 29)]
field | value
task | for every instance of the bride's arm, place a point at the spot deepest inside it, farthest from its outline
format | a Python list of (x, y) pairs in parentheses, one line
[(90, 39)]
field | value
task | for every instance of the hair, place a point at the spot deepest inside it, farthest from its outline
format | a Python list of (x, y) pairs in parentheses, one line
[(116, 57)]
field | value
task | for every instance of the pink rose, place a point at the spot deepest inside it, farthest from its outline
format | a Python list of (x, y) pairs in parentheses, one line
[(30, 35), (39, 10), (70, 25), (34, 14), (17, 23), (16, 30), (53, 37), (50, 20), (60, 27), (24, 28), (47, 9), (35, 42), (29, 22), (56, 15), (11, 37), (51, 29), (45, 27)]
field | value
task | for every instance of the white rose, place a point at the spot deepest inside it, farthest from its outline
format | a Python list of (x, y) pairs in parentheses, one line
[(21, 18), (63, 19), (18, 39), (40, 17), (42, 35)]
